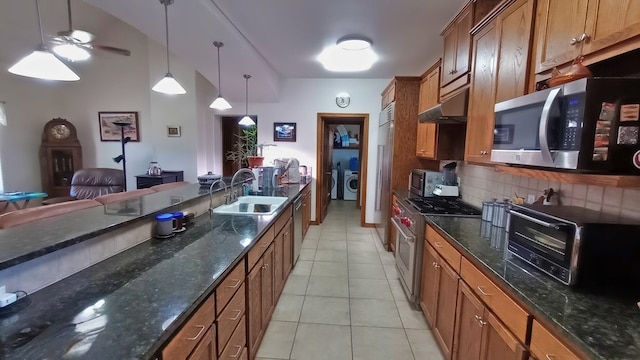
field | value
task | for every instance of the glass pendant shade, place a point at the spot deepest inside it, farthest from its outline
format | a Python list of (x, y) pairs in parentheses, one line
[(168, 85), (246, 121), (42, 64), (71, 52), (220, 104)]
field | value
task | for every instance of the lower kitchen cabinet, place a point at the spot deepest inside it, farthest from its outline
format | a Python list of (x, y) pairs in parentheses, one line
[(479, 334), (237, 344), (197, 333), (267, 286), (206, 349), (306, 210), (429, 288), (287, 253), (254, 298), (544, 345)]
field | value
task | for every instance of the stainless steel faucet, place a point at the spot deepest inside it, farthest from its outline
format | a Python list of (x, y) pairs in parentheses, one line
[(226, 196), (233, 196)]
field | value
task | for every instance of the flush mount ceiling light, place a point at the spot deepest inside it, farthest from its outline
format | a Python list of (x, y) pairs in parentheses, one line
[(42, 64), (168, 85), (219, 103), (350, 54), (246, 120)]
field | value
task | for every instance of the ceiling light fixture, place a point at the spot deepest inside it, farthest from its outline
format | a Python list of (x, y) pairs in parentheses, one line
[(246, 120), (350, 54), (42, 64), (168, 85), (219, 103)]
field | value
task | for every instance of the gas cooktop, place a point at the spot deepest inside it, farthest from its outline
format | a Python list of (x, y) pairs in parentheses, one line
[(444, 206)]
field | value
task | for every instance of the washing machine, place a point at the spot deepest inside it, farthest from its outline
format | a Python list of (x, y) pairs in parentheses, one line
[(350, 185), (334, 184)]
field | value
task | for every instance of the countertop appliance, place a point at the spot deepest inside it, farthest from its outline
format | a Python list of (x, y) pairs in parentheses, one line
[(423, 182), (577, 246), (208, 178), (297, 228), (446, 190), (289, 170), (589, 125), (409, 221), (383, 180)]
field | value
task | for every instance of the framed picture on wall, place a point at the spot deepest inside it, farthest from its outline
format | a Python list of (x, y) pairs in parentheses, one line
[(111, 132), (174, 131), (284, 132)]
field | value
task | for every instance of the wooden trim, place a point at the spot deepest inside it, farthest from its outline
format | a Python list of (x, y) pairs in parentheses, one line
[(456, 16), (314, 222), (491, 16), (431, 68), (573, 178), (458, 84), (319, 171)]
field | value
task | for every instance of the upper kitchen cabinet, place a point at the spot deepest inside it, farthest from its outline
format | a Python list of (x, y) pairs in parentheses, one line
[(598, 29), (456, 59), (429, 97), (501, 47)]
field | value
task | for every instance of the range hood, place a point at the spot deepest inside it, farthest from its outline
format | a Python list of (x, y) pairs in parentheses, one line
[(453, 110)]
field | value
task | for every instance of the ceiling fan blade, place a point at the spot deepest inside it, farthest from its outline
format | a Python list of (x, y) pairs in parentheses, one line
[(112, 49)]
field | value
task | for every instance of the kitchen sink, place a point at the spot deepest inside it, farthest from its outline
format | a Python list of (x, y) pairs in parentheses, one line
[(252, 205)]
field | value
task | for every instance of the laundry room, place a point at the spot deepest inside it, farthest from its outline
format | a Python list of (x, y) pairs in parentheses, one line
[(346, 164)]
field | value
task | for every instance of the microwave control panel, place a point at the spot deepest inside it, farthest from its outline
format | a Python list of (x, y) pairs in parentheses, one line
[(574, 113)]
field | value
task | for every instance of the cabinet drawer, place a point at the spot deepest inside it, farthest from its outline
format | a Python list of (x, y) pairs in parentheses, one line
[(186, 339), (512, 315), (444, 248), (544, 345), (260, 247), (237, 343), (230, 317), (228, 286), (282, 220)]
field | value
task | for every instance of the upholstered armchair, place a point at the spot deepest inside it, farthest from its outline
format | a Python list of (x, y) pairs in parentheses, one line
[(91, 183)]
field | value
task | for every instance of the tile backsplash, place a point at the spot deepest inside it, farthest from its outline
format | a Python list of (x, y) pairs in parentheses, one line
[(480, 183)]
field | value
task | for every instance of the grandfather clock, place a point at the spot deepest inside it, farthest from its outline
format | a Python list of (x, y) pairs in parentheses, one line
[(60, 157)]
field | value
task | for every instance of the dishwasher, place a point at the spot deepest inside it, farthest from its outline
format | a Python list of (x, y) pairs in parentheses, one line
[(297, 227)]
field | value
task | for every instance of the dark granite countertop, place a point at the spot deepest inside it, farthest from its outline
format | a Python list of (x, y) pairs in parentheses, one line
[(127, 306), (604, 326), (37, 238)]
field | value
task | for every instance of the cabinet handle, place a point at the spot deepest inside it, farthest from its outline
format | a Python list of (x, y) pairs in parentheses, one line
[(549, 356), (237, 316), (202, 327), (436, 265), (455, 71), (437, 244), (481, 289), (237, 352), (482, 322), (264, 245), (583, 37), (236, 284), (573, 41), (478, 318)]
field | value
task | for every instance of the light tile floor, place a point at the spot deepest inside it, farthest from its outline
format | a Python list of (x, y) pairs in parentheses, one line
[(343, 300)]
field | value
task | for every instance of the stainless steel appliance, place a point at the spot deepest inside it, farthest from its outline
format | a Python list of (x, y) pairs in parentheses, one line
[(589, 125), (452, 110), (297, 228), (409, 221), (423, 182), (383, 181), (576, 246)]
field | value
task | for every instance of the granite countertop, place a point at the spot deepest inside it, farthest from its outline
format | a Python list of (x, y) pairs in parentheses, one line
[(127, 306), (37, 238), (604, 326)]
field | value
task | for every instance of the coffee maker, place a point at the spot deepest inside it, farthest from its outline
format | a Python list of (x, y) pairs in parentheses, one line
[(289, 170), (449, 186)]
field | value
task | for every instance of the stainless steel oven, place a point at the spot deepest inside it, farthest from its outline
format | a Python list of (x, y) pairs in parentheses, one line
[(409, 226), (574, 245)]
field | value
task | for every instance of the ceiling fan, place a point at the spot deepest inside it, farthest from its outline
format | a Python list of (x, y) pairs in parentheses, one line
[(72, 44)]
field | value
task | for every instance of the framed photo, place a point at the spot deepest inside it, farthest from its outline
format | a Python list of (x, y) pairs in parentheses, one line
[(284, 132), (173, 131), (111, 132)]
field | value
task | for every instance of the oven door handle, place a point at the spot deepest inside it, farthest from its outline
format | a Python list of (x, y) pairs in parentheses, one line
[(555, 226), (409, 238), (544, 125)]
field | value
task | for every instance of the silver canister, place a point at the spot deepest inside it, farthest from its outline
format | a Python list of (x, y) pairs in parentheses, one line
[(499, 214), (487, 210)]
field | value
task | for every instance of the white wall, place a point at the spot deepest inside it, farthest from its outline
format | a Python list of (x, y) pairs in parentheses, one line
[(300, 102)]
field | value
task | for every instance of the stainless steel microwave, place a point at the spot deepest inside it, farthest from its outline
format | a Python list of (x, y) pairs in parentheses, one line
[(589, 125), (423, 182)]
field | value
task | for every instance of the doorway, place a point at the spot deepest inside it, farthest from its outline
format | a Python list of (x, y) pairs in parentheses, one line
[(327, 123), (230, 132)]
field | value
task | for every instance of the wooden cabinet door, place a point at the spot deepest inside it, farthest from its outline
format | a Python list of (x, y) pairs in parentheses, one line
[(423, 99), (429, 286), (610, 22), (514, 27), (206, 348), (254, 299), (287, 263), (480, 119), (468, 335), (463, 42), (278, 264), (450, 38), (557, 23), (446, 308), (433, 88), (498, 342), (267, 286), (427, 133), (426, 140)]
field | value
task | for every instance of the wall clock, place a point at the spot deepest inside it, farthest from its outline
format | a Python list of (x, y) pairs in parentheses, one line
[(343, 100)]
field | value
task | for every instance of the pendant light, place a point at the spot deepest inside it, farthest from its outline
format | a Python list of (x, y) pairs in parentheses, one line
[(168, 85), (42, 64), (246, 120), (219, 103)]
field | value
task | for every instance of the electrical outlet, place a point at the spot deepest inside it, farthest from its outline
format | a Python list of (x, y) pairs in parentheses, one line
[(531, 199)]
